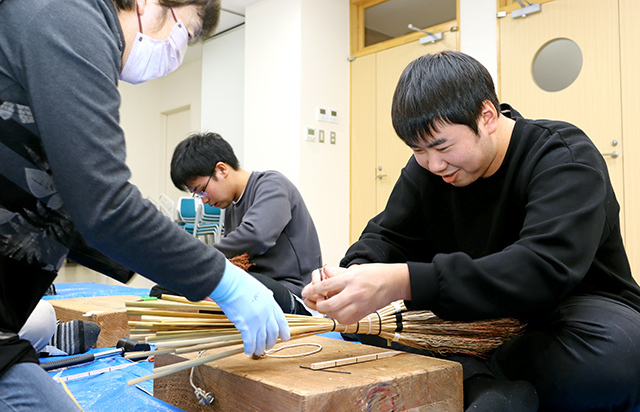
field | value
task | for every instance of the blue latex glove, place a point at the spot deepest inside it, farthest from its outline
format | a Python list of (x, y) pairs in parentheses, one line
[(252, 308)]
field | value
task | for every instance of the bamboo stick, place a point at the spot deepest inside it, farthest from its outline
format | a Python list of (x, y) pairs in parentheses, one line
[(193, 341), (161, 304), (144, 311), (210, 304), (180, 366), (194, 348), (352, 360)]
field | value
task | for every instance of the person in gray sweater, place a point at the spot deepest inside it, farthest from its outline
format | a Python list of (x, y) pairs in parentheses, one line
[(64, 184), (265, 215)]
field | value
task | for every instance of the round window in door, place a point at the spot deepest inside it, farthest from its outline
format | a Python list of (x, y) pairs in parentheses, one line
[(557, 65)]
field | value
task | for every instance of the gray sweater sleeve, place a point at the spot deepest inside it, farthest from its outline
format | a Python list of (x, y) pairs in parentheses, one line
[(67, 63), (263, 213)]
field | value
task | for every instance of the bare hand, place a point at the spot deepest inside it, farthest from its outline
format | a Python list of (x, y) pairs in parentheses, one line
[(348, 295), (318, 276)]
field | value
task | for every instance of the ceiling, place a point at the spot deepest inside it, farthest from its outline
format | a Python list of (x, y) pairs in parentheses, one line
[(232, 13)]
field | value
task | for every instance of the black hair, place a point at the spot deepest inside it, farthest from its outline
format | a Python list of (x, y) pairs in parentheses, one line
[(208, 11), (198, 155), (449, 87)]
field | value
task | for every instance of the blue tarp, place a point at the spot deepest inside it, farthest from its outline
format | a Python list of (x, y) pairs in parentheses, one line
[(109, 391), (87, 289)]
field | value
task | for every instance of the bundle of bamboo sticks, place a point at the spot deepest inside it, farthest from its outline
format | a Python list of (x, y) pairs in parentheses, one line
[(176, 325)]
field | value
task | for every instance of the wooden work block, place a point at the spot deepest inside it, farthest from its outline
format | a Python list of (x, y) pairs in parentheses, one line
[(406, 382), (107, 311)]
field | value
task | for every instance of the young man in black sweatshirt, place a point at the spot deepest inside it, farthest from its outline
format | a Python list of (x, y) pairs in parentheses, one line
[(498, 216)]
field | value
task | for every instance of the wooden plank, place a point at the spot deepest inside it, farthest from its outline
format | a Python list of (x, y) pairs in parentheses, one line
[(352, 360), (406, 382), (107, 311)]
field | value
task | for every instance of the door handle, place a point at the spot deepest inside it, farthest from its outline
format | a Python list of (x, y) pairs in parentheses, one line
[(613, 154), (381, 176)]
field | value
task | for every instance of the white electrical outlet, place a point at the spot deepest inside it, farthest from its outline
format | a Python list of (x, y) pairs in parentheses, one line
[(332, 138)]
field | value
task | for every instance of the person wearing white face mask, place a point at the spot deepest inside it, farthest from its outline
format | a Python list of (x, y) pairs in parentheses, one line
[(151, 58), (61, 144)]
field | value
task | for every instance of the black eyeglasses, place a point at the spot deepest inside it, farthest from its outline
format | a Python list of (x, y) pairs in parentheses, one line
[(202, 193)]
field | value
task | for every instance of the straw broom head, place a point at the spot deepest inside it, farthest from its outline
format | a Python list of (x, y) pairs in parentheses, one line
[(424, 330)]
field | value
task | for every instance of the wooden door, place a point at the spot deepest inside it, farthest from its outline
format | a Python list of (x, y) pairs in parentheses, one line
[(630, 85), (363, 144), (592, 101), (177, 126), (604, 98), (392, 153), (377, 153)]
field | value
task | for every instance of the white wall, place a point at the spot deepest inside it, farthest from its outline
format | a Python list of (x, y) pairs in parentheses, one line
[(141, 117), (272, 86), (223, 88), (296, 60), (324, 171), (138, 118), (479, 33)]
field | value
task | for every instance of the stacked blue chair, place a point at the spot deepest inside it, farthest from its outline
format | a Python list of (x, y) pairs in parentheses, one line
[(212, 224), (190, 214), (167, 206)]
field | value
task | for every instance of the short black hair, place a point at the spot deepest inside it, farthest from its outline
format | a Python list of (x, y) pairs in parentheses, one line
[(449, 87), (208, 11), (198, 155)]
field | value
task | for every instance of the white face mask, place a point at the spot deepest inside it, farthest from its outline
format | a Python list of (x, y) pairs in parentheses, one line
[(150, 58)]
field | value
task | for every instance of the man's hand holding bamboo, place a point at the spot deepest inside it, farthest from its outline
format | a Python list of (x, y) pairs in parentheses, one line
[(350, 294)]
